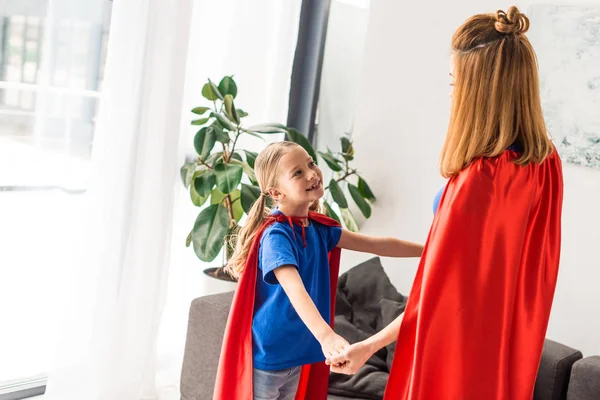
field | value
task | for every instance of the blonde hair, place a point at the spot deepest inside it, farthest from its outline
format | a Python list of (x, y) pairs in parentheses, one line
[(496, 98), (266, 169)]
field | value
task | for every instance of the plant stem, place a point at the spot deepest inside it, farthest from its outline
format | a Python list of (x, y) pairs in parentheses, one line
[(237, 135), (204, 163), (226, 157), (347, 174), (229, 205)]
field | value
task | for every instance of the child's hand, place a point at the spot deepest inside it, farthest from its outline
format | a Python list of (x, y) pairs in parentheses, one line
[(352, 359), (333, 344)]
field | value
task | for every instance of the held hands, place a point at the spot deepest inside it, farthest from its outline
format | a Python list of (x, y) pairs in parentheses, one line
[(351, 359)]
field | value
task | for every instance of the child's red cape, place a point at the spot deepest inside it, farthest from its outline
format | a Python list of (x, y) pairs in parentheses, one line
[(234, 374), (477, 314)]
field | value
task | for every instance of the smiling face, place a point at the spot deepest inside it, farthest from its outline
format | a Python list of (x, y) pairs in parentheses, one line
[(299, 180)]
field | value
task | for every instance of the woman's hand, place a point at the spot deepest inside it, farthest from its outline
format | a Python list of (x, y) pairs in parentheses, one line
[(357, 354)]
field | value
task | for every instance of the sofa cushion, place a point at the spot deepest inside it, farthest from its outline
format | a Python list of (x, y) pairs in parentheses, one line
[(554, 371), (362, 288), (390, 310), (206, 327), (585, 379)]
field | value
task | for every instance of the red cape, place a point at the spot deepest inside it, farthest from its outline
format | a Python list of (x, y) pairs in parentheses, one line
[(477, 314), (234, 374)]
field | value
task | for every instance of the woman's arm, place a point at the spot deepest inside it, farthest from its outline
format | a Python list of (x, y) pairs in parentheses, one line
[(289, 278), (382, 246)]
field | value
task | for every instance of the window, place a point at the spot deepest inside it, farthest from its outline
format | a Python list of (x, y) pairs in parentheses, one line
[(51, 72)]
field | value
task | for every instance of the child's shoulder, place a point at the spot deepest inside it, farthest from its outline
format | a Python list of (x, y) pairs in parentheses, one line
[(275, 230)]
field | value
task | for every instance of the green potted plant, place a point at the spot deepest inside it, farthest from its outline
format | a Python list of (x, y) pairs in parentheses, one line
[(221, 179)]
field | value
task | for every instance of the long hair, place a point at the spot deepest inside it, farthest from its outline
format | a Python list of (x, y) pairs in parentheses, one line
[(266, 169), (496, 97)]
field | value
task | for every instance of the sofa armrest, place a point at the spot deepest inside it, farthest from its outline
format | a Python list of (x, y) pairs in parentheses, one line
[(206, 327), (554, 371), (585, 379)]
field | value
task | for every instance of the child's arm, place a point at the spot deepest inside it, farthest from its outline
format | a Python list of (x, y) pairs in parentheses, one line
[(289, 278), (382, 246)]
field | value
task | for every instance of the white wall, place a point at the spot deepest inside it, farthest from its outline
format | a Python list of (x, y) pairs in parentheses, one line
[(401, 120), (344, 50)]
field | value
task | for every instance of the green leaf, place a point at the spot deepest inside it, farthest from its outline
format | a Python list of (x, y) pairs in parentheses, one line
[(215, 89), (238, 210), (237, 156), (345, 144), (241, 113), (217, 197), (365, 190), (330, 213), (220, 135), (200, 110), (224, 121), (349, 220), (337, 194), (331, 161), (197, 200), (249, 196), (228, 86), (188, 239), (362, 204), (214, 158), (251, 158), (204, 183), (230, 109), (208, 93), (209, 231), (187, 172), (200, 121), (254, 134), (347, 149), (248, 170), (204, 141), (228, 176), (268, 128), (295, 136)]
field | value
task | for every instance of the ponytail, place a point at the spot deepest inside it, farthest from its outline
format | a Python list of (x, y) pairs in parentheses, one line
[(243, 241)]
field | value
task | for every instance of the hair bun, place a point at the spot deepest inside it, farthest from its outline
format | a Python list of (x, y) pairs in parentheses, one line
[(512, 22)]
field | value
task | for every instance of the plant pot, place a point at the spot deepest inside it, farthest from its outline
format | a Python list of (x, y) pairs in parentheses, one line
[(220, 274)]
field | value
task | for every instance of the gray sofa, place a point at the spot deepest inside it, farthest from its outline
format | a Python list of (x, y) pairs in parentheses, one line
[(563, 372)]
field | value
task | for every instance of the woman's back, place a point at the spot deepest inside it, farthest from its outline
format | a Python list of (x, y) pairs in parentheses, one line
[(477, 314)]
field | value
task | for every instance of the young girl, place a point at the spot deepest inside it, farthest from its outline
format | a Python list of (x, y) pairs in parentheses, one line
[(294, 293)]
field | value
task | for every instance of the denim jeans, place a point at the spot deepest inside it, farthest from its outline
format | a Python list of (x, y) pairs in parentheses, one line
[(276, 385)]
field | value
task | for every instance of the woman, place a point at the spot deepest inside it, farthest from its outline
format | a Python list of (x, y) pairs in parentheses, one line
[(476, 318)]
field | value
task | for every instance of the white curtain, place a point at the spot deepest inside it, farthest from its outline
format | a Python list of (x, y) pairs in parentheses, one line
[(126, 319), (109, 347)]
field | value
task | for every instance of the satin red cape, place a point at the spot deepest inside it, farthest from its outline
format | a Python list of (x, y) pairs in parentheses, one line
[(477, 314), (234, 374)]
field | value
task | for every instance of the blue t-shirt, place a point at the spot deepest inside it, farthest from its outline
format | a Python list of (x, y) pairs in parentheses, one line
[(436, 200), (279, 337)]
